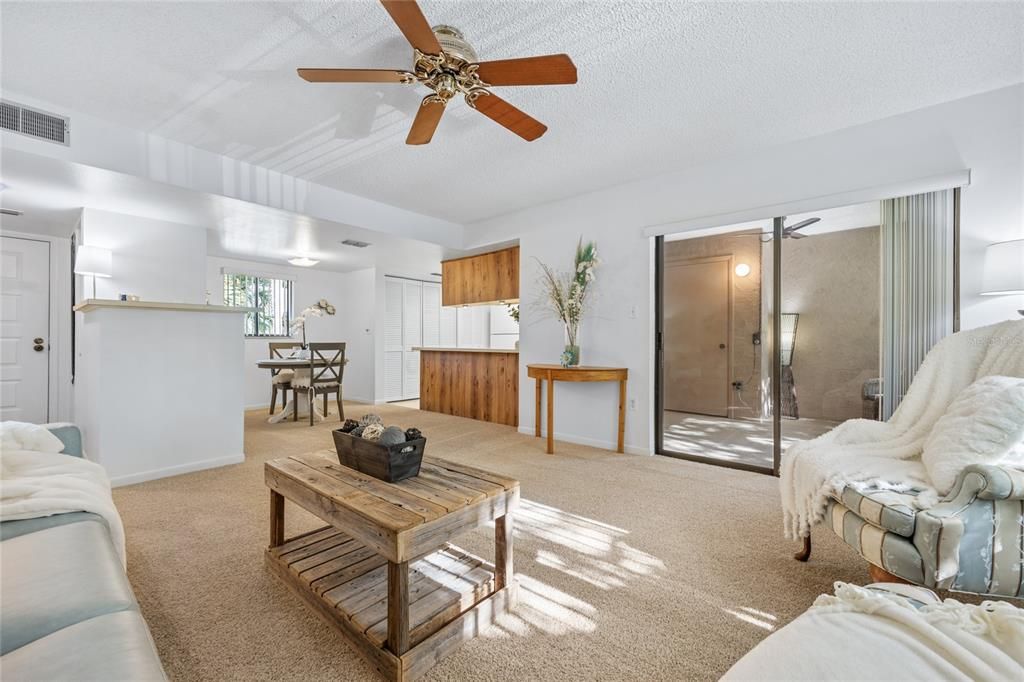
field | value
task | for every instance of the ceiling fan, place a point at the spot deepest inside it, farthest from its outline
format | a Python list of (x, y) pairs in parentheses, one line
[(447, 64), (790, 232)]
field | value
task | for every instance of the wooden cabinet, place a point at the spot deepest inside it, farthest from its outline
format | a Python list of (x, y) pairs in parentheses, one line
[(486, 278)]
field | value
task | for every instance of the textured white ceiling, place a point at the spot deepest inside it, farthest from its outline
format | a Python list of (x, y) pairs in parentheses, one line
[(663, 85)]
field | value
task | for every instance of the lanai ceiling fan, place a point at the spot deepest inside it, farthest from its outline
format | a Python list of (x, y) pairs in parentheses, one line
[(791, 231), (447, 64)]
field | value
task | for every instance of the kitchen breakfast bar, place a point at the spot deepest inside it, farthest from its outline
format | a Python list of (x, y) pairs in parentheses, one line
[(478, 383)]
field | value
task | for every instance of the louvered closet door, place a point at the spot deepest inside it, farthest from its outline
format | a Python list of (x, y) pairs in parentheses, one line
[(393, 337), (412, 324)]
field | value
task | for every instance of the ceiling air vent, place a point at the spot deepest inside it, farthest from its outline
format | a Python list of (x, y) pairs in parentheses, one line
[(34, 123), (356, 243)]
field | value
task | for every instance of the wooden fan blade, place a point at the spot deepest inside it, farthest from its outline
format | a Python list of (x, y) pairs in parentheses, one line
[(427, 118), (552, 69), (413, 25), (504, 114), (354, 75)]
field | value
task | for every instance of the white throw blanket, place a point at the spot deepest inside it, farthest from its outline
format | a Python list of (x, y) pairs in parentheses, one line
[(886, 455), (34, 483), (862, 633)]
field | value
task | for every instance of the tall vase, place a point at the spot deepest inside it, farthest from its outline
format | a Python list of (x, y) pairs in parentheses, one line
[(571, 353)]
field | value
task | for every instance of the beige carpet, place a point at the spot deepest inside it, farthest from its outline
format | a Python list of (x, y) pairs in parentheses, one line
[(631, 567)]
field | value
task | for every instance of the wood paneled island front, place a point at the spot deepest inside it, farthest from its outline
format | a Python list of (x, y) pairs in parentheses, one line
[(479, 383)]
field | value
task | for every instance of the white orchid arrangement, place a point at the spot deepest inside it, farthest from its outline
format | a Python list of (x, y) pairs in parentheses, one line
[(318, 309), (565, 295)]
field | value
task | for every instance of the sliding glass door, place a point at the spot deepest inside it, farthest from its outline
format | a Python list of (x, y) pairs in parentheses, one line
[(714, 301), (776, 331)]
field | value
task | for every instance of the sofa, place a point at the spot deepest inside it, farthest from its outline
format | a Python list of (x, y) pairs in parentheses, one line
[(68, 610), (972, 541)]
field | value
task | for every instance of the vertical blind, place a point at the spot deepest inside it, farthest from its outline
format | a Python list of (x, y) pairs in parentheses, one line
[(917, 286), (271, 298)]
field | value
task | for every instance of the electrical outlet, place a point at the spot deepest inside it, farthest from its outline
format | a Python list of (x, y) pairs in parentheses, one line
[(632, 312), (632, 403)]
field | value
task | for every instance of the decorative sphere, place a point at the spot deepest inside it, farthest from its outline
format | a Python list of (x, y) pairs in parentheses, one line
[(349, 425), (358, 431), (371, 418), (392, 435), (413, 434), (373, 432)]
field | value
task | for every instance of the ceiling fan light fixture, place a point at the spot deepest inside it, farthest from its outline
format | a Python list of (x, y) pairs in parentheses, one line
[(303, 262), (454, 43), (445, 62)]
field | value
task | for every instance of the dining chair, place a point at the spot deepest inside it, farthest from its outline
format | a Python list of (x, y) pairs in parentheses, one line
[(326, 368), (280, 379)]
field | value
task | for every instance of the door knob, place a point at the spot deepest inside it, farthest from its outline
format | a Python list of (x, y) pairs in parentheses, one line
[(38, 339), (722, 346), (38, 348)]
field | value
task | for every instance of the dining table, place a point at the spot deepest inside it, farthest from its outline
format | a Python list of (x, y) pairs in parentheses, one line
[(301, 367)]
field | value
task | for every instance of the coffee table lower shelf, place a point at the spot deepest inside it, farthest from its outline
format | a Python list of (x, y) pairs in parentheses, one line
[(451, 597)]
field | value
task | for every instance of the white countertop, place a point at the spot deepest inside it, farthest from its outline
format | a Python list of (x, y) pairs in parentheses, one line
[(468, 350), (91, 304)]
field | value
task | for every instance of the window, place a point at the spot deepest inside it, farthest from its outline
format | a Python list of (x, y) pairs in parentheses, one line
[(272, 299)]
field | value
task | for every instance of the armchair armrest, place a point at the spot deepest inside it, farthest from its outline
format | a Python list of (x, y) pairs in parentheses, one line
[(956, 536), (989, 482), (70, 435)]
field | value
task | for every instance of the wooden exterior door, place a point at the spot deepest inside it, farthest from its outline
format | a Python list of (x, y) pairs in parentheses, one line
[(697, 312)]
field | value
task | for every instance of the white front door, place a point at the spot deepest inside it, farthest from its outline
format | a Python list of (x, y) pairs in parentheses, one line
[(24, 329)]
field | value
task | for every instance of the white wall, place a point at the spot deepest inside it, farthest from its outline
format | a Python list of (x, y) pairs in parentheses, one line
[(153, 259), (157, 391), (984, 133), (344, 290)]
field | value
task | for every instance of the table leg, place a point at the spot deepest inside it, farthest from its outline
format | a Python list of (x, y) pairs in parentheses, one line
[(536, 428), (398, 607), (502, 551), (622, 415), (276, 518), (551, 415)]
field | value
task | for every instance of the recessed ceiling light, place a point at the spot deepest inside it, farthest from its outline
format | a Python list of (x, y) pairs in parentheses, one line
[(303, 262)]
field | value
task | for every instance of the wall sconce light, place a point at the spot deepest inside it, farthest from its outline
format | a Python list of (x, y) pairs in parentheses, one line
[(1004, 269), (95, 261), (742, 270)]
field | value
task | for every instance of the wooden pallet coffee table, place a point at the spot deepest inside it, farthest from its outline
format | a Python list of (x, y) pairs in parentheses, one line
[(383, 571)]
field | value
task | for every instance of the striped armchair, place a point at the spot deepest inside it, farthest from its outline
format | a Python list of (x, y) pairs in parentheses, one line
[(972, 541)]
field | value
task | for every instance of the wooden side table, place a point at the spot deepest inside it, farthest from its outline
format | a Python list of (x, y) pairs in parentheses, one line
[(553, 373), (382, 572)]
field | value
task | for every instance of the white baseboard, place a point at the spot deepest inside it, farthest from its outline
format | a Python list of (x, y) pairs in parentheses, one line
[(154, 474), (592, 442)]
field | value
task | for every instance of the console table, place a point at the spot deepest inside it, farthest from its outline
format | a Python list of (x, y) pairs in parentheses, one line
[(553, 373)]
